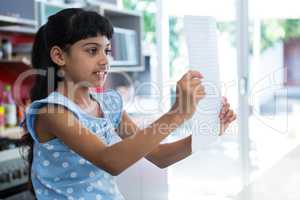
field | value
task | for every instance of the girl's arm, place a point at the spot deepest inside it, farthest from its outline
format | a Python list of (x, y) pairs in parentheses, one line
[(114, 158), (167, 154), (118, 157), (163, 155)]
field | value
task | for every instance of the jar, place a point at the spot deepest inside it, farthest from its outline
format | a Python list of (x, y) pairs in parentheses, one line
[(6, 49)]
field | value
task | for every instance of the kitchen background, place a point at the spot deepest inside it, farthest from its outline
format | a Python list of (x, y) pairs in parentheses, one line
[(259, 56)]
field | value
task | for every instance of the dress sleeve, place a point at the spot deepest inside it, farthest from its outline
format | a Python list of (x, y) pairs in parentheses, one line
[(33, 110)]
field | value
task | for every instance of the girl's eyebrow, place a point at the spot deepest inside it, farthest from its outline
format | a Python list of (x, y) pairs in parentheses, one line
[(92, 43), (95, 43)]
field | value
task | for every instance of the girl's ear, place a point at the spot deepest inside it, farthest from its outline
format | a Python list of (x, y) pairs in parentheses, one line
[(57, 56)]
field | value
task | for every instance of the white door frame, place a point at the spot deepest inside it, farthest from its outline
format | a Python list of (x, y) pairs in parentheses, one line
[(243, 77), (163, 66)]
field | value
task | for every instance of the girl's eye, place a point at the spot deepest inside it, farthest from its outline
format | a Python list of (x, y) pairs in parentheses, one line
[(92, 51), (108, 51)]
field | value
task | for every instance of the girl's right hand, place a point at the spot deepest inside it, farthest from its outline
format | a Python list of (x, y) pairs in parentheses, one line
[(189, 91)]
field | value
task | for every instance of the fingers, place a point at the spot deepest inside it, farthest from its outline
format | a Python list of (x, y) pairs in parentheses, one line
[(232, 118), (229, 117), (224, 110), (192, 74), (189, 91), (198, 88), (225, 122), (200, 93), (195, 82), (226, 115), (192, 83)]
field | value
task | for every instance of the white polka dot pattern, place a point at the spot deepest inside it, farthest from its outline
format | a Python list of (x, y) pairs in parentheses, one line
[(65, 164), (70, 190), (70, 198), (73, 175), (81, 161), (89, 188), (56, 154), (91, 174), (49, 147), (98, 197), (46, 163), (39, 191)]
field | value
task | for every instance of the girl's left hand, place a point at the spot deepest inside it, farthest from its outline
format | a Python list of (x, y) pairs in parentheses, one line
[(226, 115)]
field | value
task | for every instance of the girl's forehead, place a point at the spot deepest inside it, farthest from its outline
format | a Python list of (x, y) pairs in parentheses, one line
[(101, 40)]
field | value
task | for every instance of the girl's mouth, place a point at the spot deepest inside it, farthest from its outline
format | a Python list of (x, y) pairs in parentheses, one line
[(101, 75)]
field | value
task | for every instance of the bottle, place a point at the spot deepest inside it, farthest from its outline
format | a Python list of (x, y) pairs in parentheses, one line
[(2, 110), (20, 114), (10, 107), (2, 118)]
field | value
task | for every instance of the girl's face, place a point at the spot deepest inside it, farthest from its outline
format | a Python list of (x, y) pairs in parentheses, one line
[(87, 61)]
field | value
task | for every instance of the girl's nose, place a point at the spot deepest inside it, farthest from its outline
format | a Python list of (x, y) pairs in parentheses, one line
[(103, 59), (104, 62)]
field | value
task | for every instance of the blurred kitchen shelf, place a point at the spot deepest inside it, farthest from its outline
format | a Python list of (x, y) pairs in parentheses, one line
[(9, 20), (13, 133), (23, 62), (17, 70), (18, 29)]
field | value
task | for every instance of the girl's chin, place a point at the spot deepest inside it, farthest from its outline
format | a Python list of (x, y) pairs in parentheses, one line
[(99, 81), (98, 84)]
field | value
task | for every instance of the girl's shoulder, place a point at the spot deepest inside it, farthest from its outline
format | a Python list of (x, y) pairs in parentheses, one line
[(55, 98), (38, 107)]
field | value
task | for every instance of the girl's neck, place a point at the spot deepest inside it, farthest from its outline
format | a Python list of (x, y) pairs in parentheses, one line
[(79, 95)]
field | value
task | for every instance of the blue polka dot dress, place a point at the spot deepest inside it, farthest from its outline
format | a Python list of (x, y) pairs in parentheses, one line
[(60, 173)]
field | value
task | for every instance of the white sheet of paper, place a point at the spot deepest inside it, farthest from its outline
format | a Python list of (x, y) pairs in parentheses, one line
[(201, 37)]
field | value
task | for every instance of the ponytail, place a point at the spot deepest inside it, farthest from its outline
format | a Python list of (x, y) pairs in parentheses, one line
[(41, 60)]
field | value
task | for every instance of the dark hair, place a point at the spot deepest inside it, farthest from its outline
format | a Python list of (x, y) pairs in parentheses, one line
[(62, 29)]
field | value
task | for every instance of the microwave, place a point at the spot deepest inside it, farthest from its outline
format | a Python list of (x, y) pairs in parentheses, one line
[(124, 45)]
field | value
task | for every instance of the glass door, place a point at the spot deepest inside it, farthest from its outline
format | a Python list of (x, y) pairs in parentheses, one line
[(216, 172)]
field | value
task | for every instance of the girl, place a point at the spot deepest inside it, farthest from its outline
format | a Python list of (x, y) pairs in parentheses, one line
[(70, 129)]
